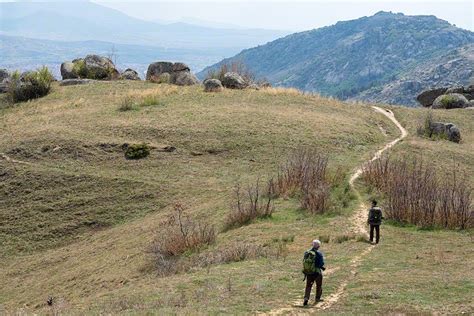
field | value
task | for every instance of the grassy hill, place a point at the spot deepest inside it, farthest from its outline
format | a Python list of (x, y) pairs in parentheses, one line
[(77, 218)]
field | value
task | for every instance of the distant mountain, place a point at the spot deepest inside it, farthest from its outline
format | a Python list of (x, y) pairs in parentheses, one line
[(83, 20), (351, 58), (20, 53)]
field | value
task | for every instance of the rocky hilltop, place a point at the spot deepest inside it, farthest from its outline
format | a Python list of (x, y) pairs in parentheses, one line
[(386, 57)]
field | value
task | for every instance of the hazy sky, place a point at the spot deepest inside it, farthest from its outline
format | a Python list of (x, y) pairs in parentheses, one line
[(294, 15)]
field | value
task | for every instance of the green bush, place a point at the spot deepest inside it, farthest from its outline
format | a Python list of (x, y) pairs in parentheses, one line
[(31, 85), (80, 69), (137, 151)]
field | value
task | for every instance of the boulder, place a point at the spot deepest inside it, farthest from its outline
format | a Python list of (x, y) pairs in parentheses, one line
[(4, 80), (448, 130), (67, 71), (183, 78), (454, 134), (213, 85), (427, 97), (233, 80), (471, 103), (458, 89), (158, 68), (129, 74), (174, 73), (450, 101), (73, 82), (469, 89), (91, 67), (99, 67), (4, 74)]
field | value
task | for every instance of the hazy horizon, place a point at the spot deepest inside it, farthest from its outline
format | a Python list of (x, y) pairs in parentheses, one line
[(291, 16), (282, 15)]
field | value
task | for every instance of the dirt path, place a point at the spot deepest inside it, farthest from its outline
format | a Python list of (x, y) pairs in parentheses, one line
[(359, 220)]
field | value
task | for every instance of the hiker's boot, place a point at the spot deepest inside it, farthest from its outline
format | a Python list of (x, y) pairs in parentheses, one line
[(318, 300), (305, 302)]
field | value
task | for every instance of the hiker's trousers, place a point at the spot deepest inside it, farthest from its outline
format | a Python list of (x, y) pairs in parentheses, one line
[(310, 279), (377, 233)]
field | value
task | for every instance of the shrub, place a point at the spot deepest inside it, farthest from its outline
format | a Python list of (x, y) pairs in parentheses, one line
[(305, 174), (149, 100), (137, 151), (180, 234), (80, 69), (249, 205), (427, 128), (31, 85), (127, 104), (417, 194)]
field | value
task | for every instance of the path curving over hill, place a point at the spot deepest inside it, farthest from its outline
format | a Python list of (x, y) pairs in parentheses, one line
[(359, 220)]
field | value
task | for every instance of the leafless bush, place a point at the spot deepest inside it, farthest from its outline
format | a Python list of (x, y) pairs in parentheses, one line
[(179, 235), (250, 204), (419, 195), (235, 66), (305, 173)]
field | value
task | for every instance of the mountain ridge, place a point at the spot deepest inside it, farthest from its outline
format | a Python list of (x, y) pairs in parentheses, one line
[(349, 57)]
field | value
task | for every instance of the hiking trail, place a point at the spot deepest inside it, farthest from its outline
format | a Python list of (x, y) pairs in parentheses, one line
[(359, 220)]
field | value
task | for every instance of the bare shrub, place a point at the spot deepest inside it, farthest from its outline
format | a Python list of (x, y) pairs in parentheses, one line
[(250, 204), (180, 234), (305, 174), (235, 66), (419, 195)]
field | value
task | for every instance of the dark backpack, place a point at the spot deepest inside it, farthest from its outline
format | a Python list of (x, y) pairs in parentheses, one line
[(309, 263), (375, 215)]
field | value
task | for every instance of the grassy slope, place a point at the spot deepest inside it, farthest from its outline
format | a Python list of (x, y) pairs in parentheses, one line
[(76, 221)]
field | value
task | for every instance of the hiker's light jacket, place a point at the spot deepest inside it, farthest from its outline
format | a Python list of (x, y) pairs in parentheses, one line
[(375, 216)]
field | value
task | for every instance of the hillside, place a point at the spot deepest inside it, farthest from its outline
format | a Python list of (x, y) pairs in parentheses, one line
[(358, 58), (77, 218)]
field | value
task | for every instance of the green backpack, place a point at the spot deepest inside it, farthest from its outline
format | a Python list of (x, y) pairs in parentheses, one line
[(309, 263)]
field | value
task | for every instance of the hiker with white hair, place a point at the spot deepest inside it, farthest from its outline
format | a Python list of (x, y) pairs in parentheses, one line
[(313, 267)]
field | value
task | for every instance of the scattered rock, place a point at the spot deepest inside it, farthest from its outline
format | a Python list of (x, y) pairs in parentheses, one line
[(4, 74), (458, 89), (129, 74), (471, 103), (91, 67), (167, 72), (450, 101), (168, 149), (99, 67), (183, 78), (196, 153), (233, 80), (448, 130), (213, 85), (67, 71), (426, 98), (73, 82)]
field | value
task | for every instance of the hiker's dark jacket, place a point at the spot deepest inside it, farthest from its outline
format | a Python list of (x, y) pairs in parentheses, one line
[(318, 259), (375, 216)]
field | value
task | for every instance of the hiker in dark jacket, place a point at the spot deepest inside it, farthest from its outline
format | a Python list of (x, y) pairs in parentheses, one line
[(374, 220), (315, 273)]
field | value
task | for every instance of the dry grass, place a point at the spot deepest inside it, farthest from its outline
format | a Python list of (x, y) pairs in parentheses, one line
[(281, 91), (103, 269)]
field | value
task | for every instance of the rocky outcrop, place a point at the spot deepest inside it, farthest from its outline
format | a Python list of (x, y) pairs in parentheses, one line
[(233, 80), (427, 97), (4, 80), (173, 73), (91, 67), (450, 101), (448, 130), (213, 85), (129, 74)]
